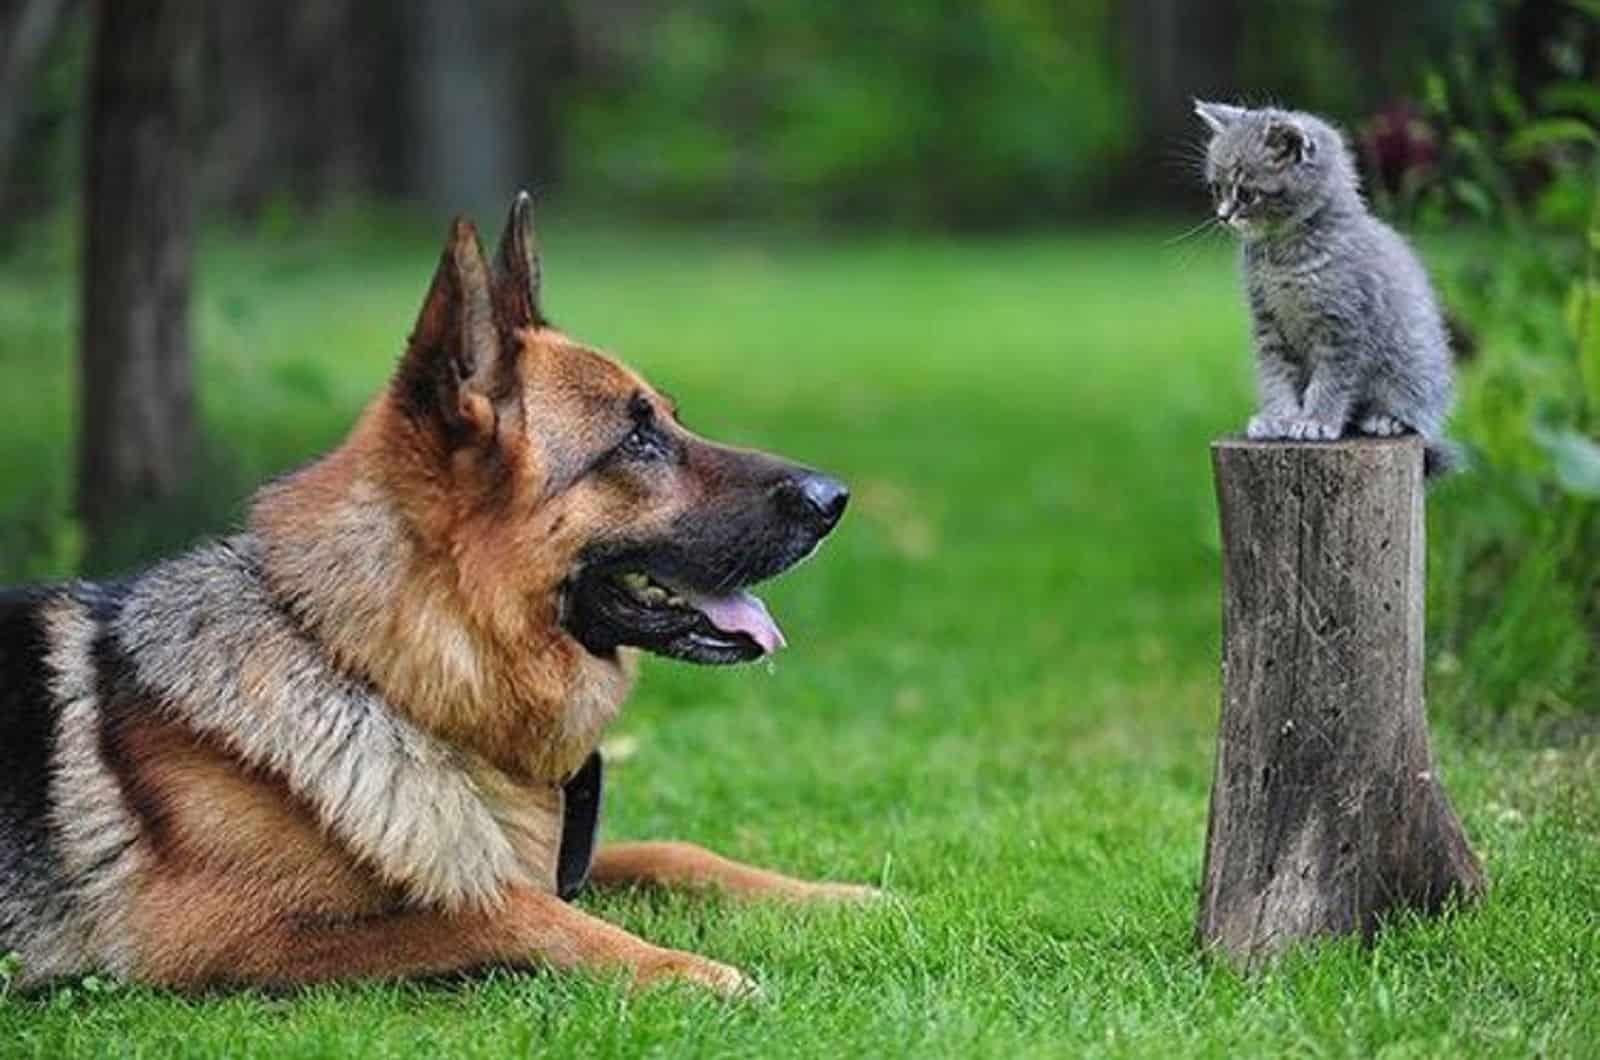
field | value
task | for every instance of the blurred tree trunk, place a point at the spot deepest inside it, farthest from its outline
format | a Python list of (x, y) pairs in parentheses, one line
[(486, 77), (269, 66), (546, 68), (136, 393), (1370, 25), (465, 107), (1534, 32), (26, 28), (1178, 51)]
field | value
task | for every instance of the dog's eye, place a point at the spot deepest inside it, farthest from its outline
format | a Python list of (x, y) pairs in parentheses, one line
[(644, 442), (647, 441)]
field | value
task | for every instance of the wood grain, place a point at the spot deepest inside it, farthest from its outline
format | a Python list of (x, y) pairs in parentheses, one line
[(1326, 809)]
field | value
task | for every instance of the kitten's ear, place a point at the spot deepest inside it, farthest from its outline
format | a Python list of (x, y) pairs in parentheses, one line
[(1288, 143), (1217, 115)]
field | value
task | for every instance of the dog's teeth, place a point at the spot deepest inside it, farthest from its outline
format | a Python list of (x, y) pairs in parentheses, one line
[(647, 590)]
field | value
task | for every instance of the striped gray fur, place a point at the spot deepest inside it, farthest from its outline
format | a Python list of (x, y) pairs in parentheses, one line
[(1348, 334)]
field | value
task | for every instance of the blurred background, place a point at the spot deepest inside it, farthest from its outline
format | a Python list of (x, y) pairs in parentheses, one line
[(941, 113), (862, 232)]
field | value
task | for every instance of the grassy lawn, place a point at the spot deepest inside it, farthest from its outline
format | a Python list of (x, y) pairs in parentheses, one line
[(1001, 692)]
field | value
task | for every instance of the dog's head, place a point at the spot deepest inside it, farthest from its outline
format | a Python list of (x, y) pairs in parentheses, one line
[(564, 486)]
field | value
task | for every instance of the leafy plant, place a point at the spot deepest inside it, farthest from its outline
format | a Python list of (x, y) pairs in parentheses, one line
[(1516, 588)]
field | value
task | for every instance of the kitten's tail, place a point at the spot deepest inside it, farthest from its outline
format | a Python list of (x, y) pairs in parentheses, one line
[(1440, 457)]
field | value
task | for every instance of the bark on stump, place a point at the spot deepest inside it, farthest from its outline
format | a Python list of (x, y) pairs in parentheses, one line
[(1326, 810)]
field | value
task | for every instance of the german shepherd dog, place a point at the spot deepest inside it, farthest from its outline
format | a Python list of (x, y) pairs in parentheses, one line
[(358, 738)]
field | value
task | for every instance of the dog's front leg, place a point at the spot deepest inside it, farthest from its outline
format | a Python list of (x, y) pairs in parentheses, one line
[(527, 928), (684, 865)]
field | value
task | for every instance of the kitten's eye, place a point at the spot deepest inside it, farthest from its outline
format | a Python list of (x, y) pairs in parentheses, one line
[(1245, 196)]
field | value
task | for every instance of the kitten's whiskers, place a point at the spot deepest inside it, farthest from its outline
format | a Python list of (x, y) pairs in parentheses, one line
[(1191, 233)]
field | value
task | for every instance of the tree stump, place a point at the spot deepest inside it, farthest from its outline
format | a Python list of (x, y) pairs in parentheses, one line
[(1326, 810)]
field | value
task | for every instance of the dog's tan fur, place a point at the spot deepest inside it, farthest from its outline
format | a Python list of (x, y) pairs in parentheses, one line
[(389, 803)]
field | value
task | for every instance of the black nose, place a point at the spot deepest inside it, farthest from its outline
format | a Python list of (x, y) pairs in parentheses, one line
[(816, 498)]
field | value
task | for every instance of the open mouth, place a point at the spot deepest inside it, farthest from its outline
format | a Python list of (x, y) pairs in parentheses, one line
[(740, 613), (630, 605), (684, 592)]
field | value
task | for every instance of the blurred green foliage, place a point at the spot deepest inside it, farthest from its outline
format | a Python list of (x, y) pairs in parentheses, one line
[(965, 112), (1517, 589), (937, 114)]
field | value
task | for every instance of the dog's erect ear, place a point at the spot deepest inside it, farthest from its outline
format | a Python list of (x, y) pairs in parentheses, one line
[(517, 269), (452, 365), (1217, 115), (1288, 143)]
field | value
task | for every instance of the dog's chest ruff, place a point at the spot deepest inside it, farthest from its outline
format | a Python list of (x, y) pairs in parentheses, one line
[(225, 658)]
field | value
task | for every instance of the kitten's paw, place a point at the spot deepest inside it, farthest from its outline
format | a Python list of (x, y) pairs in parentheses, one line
[(1264, 426), (1382, 426), (1309, 430)]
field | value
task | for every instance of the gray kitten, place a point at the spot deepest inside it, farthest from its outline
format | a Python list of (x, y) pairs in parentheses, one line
[(1347, 331)]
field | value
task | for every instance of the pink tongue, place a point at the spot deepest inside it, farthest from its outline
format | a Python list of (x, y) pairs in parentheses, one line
[(741, 612)]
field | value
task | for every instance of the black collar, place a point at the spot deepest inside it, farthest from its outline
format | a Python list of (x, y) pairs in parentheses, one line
[(580, 826)]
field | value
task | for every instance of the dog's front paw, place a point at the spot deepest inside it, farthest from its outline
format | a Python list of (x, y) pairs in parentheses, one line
[(1306, 429), (722, 979), (857, 893)]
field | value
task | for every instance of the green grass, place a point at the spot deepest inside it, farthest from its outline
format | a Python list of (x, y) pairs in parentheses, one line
[(1000, 699)]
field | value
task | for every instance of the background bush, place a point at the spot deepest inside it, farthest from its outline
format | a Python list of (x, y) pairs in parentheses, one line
[(1516, 585)]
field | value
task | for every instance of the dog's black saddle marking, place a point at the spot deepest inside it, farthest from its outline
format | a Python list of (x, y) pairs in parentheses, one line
[(580, 826), (27, 729)]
